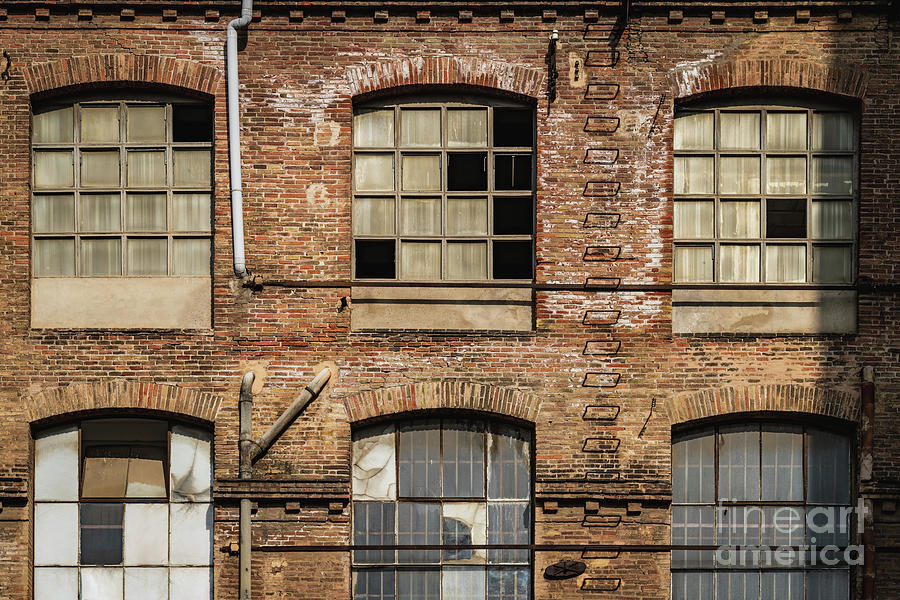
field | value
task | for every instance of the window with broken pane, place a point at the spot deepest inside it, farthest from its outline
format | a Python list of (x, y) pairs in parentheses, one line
[(750, 485), (443, 189), (123, 511), (442, 505), (765, 194), (122, 188)]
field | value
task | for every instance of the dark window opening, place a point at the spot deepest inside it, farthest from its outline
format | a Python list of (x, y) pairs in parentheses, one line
[(191, 123), (513, 260), (467, 171), (513, 216), (786, 218), (513, 127), (375, 259), (512, 172), (101, 533)]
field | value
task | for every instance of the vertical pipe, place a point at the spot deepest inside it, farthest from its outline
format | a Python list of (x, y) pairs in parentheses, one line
[(245, 407), (865, 474), (234, 138)]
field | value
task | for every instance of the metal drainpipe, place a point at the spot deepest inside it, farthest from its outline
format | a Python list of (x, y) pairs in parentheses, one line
[(867, 452), (234, 138), (245, 407)]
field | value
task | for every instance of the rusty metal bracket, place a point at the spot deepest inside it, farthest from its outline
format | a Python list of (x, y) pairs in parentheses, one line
[(5, 74)]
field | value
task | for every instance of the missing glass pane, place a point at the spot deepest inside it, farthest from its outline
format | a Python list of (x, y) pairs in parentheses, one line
[(785, 218), (101, 533), (512, 172), (513, 127), (467, 171), (375, 259), (191, 123), (513, 216), (513, 260)]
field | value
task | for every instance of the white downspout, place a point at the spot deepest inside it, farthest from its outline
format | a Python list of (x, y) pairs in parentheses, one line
[(234, 138)]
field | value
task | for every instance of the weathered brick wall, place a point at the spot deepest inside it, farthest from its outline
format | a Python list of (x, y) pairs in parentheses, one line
[(602, 371)]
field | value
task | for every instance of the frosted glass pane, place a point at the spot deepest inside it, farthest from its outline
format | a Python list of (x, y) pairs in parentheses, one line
[(832, 175), (786, 131), (53, 126), (374, 172), (420, 260), (828, 584), (462, 584), (698, 585), (832, 131), (422, 172), (736, 585), (739, 220), (191, 212), (693, 526), (786, 264), (373, 128), (466, 260), (146, 534), (693, 263), (509, 464), (145, 124), (420, 127), (464, 523), (56, 464), (694, 219), (420, 216), (100, 169), (145, 212), (694, 175), (466, 216), (374, 472), (738, 463), (54, 257), (466, 127), (419, 459), (786, 175), (739, 263), (53, 214), (102, 583), (828, 467), (99, 124), (374, 524), (373, 216), (782, 463), (694, 132), (462, 460), (739, 175), (508, 523), (147, 169), (99, 212), (832, 220), (147, 256), (55, 583), (146, 583), (781, 586), (101, 257), (191, 256), (56, 533), (739, 131), (53, 169), (190, 541), (190, 468), (832, 264), (693, 462), (190, 584), (192, 168)]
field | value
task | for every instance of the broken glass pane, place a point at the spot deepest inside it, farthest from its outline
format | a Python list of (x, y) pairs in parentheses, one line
[(101, 533), (374, 584), (190, 471), (373, 525), (55, 534), (104, 477), (419, 585), (508, 523), (146, 583), (463, 459), (509, 584), (146, 532), (102, 583), (190, 539), (419, 524), (462, 584), (420, 460), (56, 464), (509, 457), (374, 476), (465, 523)]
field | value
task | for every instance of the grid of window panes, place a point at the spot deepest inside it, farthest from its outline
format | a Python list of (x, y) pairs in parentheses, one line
[(443, 191), (123, 511), (765, 195), (121, 188), (448, 484), (740, 487)]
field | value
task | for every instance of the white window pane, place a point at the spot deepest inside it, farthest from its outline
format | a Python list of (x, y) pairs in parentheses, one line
[(828, 467), (99, 212), (146, 583), (832, 264), (147, 256), (781, 586), (694, 175), (191, 256), (374, 172), (832, 220), (786, 131), (191, 212), (832, 131), (100, 168), (782, 463), (145, 212), (56, 583), (464, 523), (373, 128), (55, 533), (373, 216), (99, 124), (738, 463), (147, 169), (53, 169), (693, 585), (739, 175), (786, 264), (466, 216), (466, 260), (739, 263), (462, 584), (54, 257), (190, 584), (53, 126), (422, 172), (102, 583), (374, 473), (420, 260), (739, 219), (53, 214), (786, 175), (694, 132), (101, 257), (420, 216), (832, 175), (739, 131), (190, 539), (693, 263), (420, 127), (694, 219), (192, 168), (56, 464), (146, 534), (190, 468), (145, 124), (693, 468), (466, 127), (509, 464), (827, 584)]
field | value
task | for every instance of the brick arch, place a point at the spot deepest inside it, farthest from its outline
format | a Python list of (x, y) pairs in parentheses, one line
[(707, 403), (445, 70), (117, 68), (433, 395), (121, 394), (841, 80)]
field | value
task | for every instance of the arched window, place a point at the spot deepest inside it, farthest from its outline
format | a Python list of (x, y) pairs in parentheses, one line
[(448, 483)]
